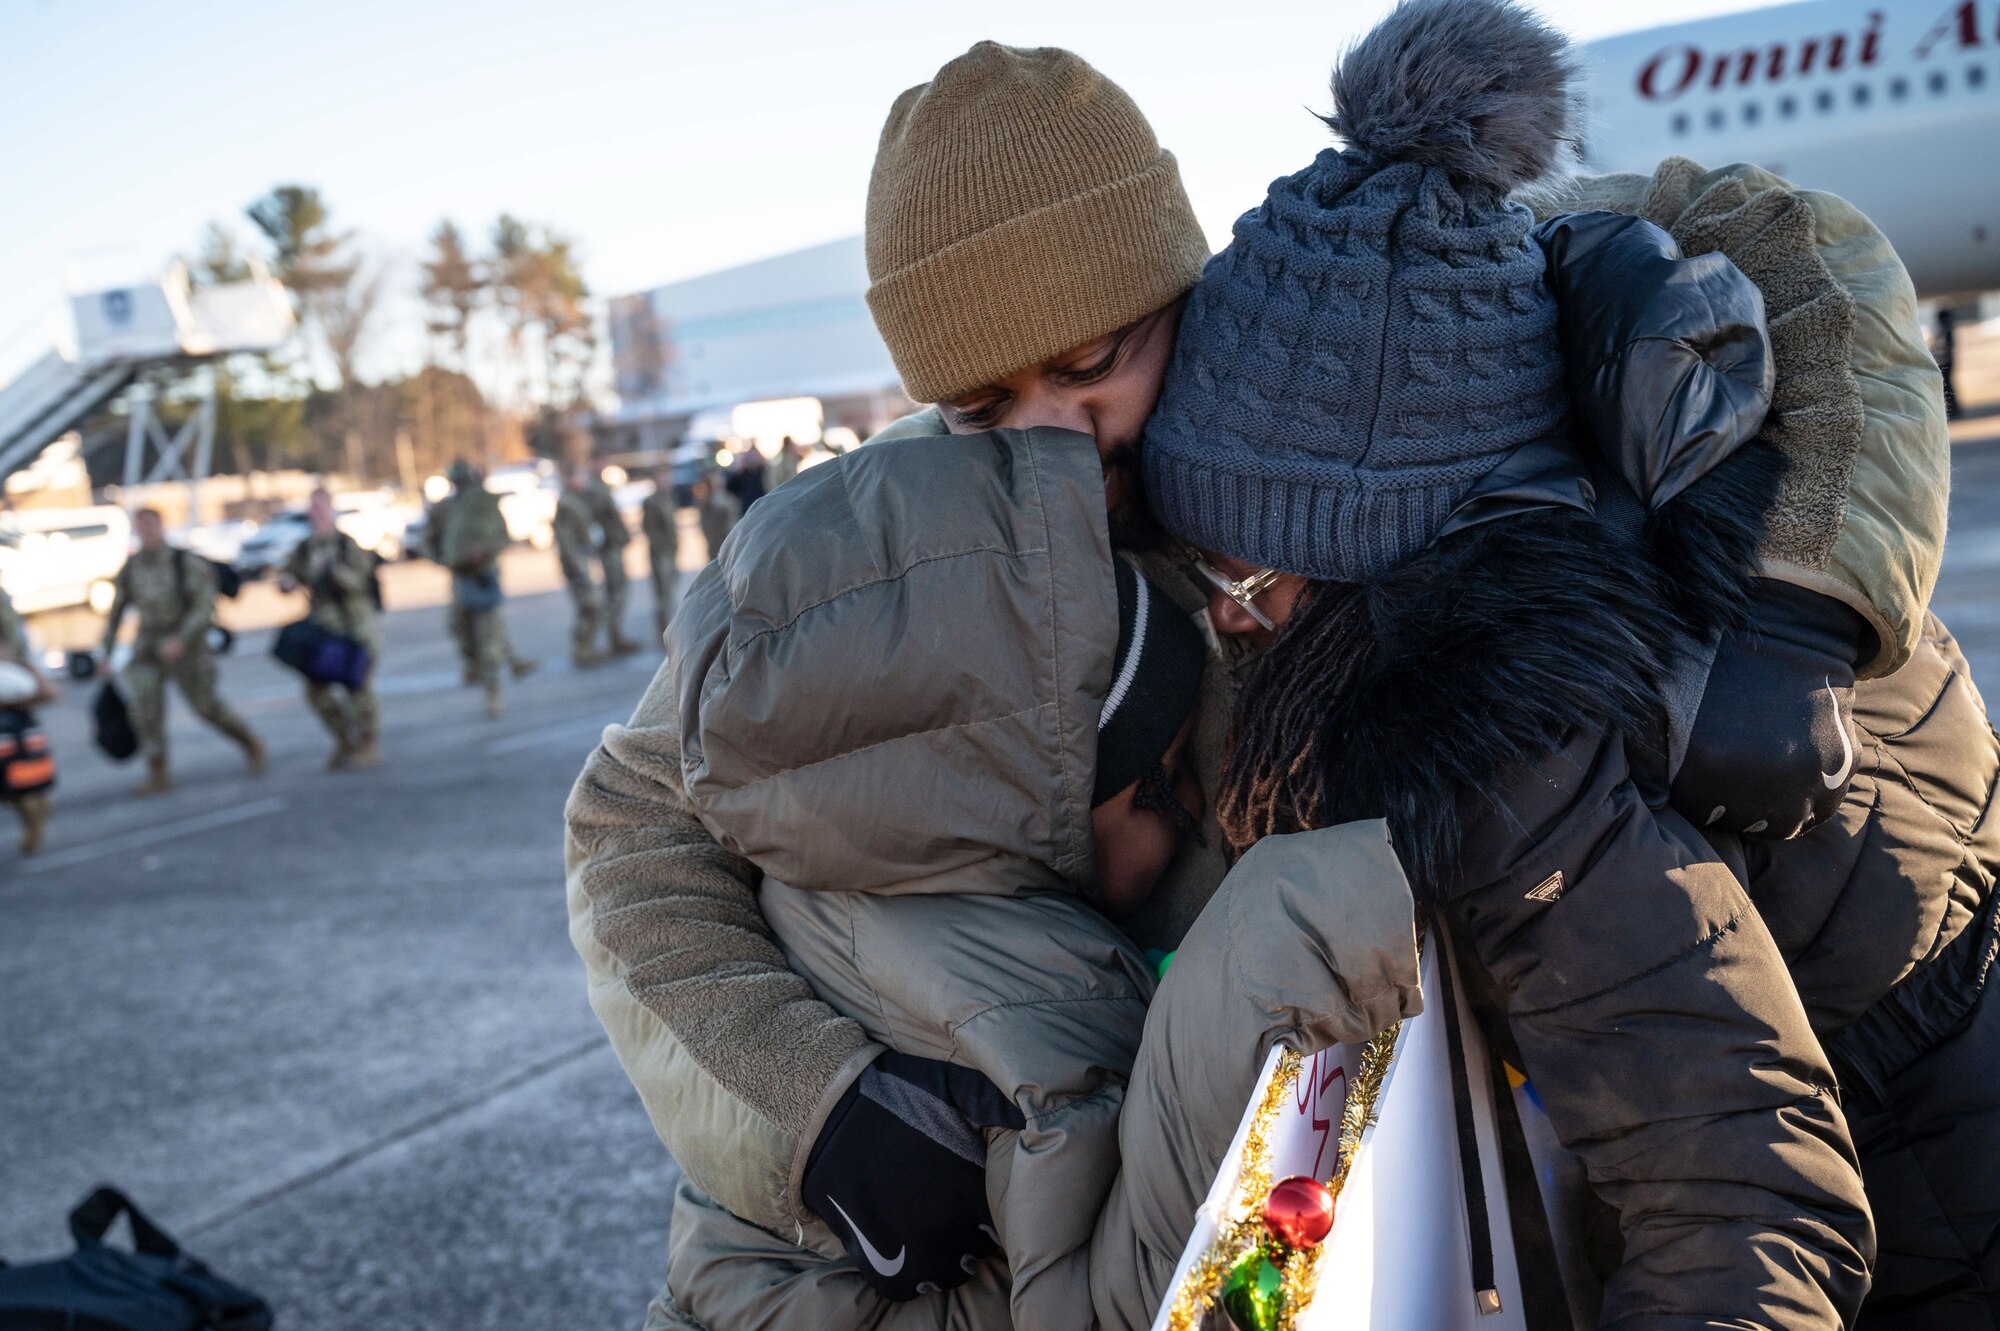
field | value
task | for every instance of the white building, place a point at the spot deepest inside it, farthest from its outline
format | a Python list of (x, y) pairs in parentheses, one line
[(792, 326)]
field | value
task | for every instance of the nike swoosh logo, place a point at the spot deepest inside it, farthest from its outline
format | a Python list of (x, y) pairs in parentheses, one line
[(1835, 780), (887, 1266)]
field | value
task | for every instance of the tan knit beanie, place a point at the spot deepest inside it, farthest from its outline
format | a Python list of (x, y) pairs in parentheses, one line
[(1020, 206)]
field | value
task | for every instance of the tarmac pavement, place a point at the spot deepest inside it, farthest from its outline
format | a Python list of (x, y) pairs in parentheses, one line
[(328, 1027)]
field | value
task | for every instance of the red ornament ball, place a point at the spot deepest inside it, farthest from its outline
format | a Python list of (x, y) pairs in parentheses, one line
[(1299, 1211)]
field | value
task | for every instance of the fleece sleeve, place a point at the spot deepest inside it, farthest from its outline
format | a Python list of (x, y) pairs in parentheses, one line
[(1653, 1012), (736, 1060)]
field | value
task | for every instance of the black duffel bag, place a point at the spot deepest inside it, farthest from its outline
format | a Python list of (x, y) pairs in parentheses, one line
[(321, 655), (111, 723), (156, 1287)]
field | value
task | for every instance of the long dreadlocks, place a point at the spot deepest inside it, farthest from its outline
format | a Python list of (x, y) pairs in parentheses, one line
[(1273, 780)]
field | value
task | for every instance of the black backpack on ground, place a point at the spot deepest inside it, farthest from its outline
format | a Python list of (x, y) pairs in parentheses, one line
[(155, 1287), (111, 723)]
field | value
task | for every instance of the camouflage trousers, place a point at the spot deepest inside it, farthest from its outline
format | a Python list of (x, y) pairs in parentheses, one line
[(146, 677), (483, 647), (480, 634), (617, 592), (351, 716), (587, 601), (666, 591)]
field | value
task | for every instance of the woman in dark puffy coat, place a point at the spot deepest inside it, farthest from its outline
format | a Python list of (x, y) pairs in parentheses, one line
[(1505, 564)]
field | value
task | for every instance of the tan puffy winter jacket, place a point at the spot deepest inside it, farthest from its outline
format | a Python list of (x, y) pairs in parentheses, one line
[(888, 692)]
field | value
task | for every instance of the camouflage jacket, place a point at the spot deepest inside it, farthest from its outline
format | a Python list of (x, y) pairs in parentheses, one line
[(576, 536), (612, 534), (13, 638), (172, 591), (339, 576), (659, 519), (473, 532)]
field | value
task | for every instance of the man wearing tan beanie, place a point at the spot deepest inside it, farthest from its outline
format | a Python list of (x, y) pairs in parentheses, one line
[(1029, 244)]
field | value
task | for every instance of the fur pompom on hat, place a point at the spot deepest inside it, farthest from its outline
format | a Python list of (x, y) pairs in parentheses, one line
[(1379, 335), (1478, 89)]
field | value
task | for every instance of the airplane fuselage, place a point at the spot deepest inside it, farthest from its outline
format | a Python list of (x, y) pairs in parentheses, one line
[(1892, 104)]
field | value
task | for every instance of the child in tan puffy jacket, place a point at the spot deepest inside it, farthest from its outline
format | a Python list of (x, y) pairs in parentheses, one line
[(922, 695)]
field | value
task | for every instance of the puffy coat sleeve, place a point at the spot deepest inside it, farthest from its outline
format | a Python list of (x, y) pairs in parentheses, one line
[(1858, 405), (1310, 942), (1667, 358), (736, 1060), (1654, 1014)]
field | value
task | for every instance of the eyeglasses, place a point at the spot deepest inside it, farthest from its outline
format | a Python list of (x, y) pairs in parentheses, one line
[(1243, 591)]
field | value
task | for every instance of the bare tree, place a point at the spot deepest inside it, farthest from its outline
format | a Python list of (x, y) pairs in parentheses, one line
[(344, 313)]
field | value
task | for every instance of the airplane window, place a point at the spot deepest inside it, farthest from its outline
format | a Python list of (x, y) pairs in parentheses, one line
[(1899, 88), (1975, 75), (1680, 123), (1751, 112), (1937, 80), (1788, 106), (1861, 94), (1715, 118), (1823, 100)]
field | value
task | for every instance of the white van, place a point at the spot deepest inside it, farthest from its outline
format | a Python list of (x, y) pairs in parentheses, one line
[(59, 558), (528, 492)]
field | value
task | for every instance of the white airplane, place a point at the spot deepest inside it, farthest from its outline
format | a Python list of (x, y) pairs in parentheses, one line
[(1891, 104)]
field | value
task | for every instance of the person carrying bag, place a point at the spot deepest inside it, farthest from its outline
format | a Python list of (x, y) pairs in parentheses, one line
[(336, 644)]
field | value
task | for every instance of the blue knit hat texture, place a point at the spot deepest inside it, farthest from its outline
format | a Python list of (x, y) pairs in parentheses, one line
[(1378, 335)]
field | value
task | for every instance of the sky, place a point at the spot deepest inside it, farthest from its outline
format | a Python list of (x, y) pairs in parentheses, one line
[(670, 139)]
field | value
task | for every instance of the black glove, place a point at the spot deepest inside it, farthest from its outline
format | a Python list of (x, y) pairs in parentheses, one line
[(899, 1172), (1773, 745)]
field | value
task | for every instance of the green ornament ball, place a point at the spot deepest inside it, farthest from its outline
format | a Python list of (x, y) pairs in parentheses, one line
[(1253, 1292)]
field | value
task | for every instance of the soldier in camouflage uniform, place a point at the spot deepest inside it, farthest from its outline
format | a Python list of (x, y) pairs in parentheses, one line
[(718, 510), (34, 805), (612, 538), (173, 593), (659, 519), (463, 475), (339, 577), (576, 551), (473, 534)]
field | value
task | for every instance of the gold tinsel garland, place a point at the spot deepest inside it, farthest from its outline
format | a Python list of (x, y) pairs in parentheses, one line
[(1242, 1228)]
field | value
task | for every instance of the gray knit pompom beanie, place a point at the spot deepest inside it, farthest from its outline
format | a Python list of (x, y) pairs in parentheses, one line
[(1377, 336)]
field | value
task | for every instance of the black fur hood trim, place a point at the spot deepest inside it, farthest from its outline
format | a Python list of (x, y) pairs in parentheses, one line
[(1493, 647)]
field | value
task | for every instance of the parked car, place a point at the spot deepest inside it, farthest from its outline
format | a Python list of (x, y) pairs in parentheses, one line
[(267, 548), (60, 558), (416, 535), (528, 494), (219, 541), (377, 521)]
